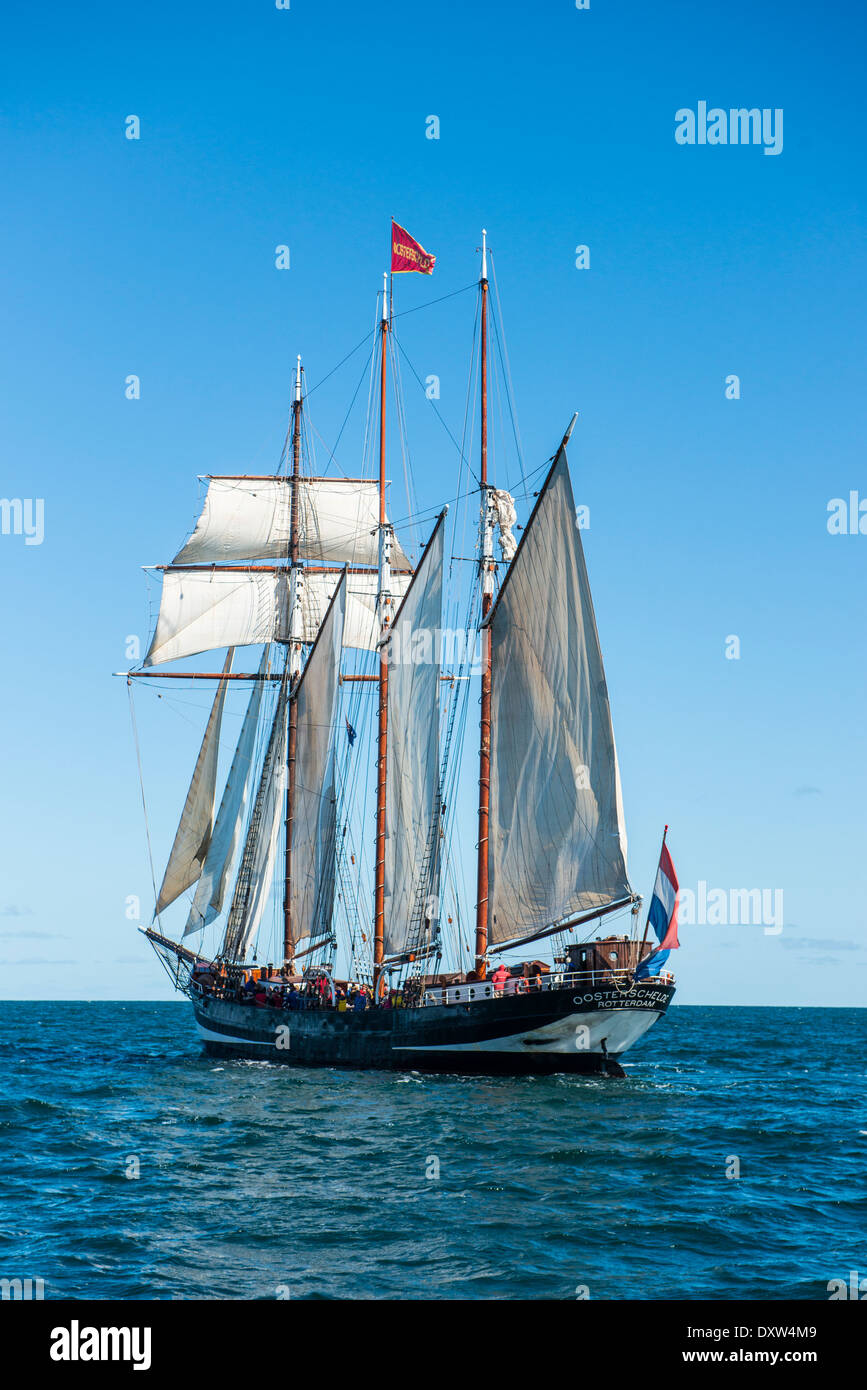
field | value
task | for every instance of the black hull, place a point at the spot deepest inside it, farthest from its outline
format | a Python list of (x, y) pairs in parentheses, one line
[(577, 1031)]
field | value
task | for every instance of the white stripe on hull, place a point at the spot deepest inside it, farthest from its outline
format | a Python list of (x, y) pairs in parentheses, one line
[(574, 1033), (580, 1032), (209, 1036)]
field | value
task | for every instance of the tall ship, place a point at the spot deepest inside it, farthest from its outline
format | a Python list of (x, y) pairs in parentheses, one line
[(418, 849)]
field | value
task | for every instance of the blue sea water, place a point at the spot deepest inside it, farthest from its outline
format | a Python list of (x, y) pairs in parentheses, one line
[(257, 1181)]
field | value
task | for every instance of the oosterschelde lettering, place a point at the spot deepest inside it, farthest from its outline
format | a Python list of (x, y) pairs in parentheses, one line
[(77, 1343), (737, 126)]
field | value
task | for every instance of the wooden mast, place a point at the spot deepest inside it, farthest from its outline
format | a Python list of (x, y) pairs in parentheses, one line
[(487, 577), (384, 587), (294, 669)]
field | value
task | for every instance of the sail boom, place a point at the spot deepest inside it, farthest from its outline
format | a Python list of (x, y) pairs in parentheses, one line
[(157, 939), (281, 478), (616, 906), (273, 569), (202, 675)]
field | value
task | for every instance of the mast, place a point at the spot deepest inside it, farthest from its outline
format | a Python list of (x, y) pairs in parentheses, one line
[(384, 602), (294, 668), (486, 572)]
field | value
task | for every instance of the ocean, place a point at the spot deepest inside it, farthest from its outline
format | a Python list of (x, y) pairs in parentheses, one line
[(728, 1165)]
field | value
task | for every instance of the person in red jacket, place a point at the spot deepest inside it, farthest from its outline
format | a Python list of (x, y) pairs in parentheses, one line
[(499, 977)]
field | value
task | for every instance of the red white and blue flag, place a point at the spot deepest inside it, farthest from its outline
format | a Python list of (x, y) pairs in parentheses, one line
[(662, 915)]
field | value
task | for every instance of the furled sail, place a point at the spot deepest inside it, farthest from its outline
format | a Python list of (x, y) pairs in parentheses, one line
[(314, 829), (208, 901), (249, 519), (203, 610), (256, 871), (194, 828), (412, 807), (557, 844)]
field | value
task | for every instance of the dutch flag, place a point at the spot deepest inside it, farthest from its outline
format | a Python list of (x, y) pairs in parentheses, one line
[(662, 915)]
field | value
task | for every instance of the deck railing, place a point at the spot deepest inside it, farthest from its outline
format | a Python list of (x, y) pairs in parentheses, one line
[(477, 990), (557, 979)]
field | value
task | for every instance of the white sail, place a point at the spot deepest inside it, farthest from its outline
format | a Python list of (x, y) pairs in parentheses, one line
[(256, 874), (194, 828), (361, 622), (412, 797), (204, 610), (556, 841), (249, 519), (208, 900), (314, 831)]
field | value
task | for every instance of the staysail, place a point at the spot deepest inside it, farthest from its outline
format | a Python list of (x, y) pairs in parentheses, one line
[(412, 805), (256, 871), (203, 610), (250, 519), (194, 828), (557, 843), (314, 833), (208, 901)]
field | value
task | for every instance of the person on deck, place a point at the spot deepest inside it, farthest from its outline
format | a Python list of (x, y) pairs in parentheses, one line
[(499, 977), (360, 1003)]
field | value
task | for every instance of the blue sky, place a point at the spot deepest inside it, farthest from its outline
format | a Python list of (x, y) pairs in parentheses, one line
[(306, 127)]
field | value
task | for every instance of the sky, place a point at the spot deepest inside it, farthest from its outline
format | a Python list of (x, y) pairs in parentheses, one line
[(308, 127)]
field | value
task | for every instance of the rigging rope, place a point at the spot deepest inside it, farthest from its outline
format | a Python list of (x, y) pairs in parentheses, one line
[(141, 785)]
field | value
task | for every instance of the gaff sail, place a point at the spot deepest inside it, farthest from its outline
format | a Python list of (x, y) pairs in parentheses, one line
[(208, 901), (412, 808), (314, 825), (256, 871), (557, 840), (193, 835)]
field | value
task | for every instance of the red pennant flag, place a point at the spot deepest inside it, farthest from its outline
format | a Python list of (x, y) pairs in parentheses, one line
[(406, 254)]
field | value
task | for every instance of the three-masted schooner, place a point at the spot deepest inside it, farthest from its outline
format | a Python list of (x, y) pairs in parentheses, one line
[(310, 569)]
